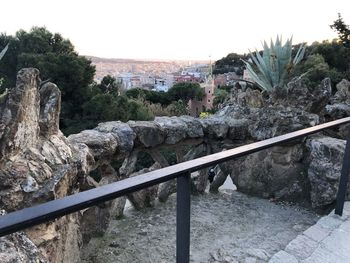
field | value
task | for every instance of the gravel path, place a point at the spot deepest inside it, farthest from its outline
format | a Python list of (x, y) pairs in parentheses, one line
[(225, 227)]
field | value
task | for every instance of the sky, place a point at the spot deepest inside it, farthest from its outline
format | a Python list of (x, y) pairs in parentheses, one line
[(169, 29)]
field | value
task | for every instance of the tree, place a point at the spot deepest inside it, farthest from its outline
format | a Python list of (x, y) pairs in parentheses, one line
[(56, 59), (220, 96), (186, 91), (231, 63), (108, 85), (343, 31)]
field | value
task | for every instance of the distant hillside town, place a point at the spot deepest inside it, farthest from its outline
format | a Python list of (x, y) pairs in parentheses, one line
[(162, 75)]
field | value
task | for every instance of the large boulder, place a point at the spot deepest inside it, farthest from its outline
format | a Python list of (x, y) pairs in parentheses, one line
[(19, 117), (300, 95), (122, 132), (18, 248), (343, 92), (101, 144), (175, 129), (215, 127), (275, 172), (148, 133), (324, 166), (278, 120)]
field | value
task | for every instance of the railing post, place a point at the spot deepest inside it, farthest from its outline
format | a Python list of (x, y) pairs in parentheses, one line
[(183, 210), (344, 177)]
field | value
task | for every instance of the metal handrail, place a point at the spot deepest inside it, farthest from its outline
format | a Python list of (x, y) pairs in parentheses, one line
[(35, 215)]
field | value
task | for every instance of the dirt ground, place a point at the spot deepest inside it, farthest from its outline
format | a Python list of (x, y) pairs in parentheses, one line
[(225, 227)]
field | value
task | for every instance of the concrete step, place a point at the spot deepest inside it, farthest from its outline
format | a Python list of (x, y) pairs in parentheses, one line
[(328, 241)]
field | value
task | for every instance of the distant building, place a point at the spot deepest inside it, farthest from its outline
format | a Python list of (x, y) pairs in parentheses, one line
[(246, 76), (186, 78), (226, 79), (197, 106)]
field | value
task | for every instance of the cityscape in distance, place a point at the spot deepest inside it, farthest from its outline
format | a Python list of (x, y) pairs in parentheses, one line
[(155, 74)]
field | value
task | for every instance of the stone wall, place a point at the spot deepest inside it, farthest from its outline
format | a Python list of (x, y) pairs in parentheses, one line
[(39, 164)]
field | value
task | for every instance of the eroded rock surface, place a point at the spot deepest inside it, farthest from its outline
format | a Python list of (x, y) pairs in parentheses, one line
[(39, 164)]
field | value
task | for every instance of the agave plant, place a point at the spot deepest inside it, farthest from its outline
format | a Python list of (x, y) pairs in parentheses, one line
[(272, 68), (2, 53)]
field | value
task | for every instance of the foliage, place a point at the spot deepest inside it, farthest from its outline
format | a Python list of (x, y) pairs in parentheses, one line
[(204, 114), (149, 95), (220, 96), (314, 70), (177, 108), (343, 31), (273, 67), (336, 55), (56, 59), (108, 85), (108, 107), (186, 91), (231, 63)]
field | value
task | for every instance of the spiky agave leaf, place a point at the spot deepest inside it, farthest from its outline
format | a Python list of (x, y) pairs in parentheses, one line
[(2, 53), (275, 63)]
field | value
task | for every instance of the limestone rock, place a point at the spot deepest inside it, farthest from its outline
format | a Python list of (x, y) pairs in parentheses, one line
[(278, 120), (50, 108), (215, 127), (338, 111), (302, 96), (19, 127), (101, 144), (124, 135), (147, 133), (174, 128), (145, 197), (343, 92), (18, 248), (325, 162), (238, 129), (250, 98), (194, 127), (267, 172)]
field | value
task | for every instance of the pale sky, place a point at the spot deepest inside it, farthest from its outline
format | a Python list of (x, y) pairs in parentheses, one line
[(169, 29)]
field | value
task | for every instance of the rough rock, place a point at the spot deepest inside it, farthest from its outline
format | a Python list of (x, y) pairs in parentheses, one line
[(278, 120), (36, 165), (39, 164), (194, 127), (238, 129), (19, 127), (101, 144), (147, 133), (302, 96), (250, 98), (337, 111), (343, 92), (269, 172), (324, 165), (145, 197), (122, 132), (214, 127), (50, 108), (175, 129), (18, 248)]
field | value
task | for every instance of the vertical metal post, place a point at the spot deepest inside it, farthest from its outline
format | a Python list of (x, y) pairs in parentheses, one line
[(183, 210), (344, 177)]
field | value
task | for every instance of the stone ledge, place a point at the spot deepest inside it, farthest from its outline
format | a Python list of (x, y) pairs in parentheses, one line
[(301, 247), (283, 257)]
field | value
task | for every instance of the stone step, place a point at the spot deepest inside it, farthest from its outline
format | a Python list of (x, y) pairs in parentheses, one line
[(328, 241)]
